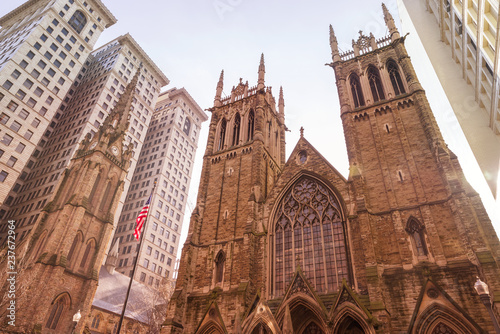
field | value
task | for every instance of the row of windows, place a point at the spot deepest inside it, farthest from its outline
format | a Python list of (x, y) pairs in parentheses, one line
[(375, 84)]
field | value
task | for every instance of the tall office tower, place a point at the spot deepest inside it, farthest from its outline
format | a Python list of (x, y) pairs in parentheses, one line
[(466, 30), (43, 45), (167, 156), (96, 90)]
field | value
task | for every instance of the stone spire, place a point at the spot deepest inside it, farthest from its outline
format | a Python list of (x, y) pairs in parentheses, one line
[(389, 21), (334, 45), (218, 92), (112, 258), (281, 102), (262, 71), (116, 124), (281, 107)]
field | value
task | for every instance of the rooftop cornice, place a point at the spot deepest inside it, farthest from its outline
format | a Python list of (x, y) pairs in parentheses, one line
[(128, 39), (182, 91)]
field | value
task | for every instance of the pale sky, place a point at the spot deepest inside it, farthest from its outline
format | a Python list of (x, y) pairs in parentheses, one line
[(192, 41)]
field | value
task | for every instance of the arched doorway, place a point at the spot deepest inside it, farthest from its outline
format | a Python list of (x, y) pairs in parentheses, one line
[(349, 326)]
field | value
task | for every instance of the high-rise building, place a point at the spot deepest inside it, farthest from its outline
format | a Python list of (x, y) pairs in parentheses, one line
[(461, 39), (94, 93), (43, 45), (167, 156), (292, 246)]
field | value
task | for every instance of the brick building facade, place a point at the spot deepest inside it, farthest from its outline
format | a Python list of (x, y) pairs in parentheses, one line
[(292, 246)]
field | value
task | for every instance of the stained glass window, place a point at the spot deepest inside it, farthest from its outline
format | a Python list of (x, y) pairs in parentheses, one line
[(309, 232)]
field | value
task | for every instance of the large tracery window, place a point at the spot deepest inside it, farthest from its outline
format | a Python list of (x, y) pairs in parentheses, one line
[(357, 93), (309, 231), (396, 81), (375, 84)]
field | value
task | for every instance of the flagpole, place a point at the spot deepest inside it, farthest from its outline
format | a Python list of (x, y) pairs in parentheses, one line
[(141, 238)]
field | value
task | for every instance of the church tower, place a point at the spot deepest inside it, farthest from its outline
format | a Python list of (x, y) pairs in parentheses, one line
[(426, 235), (244, 156), (58, 273)]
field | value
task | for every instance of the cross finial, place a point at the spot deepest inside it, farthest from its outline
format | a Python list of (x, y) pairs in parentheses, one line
[(301, 131)]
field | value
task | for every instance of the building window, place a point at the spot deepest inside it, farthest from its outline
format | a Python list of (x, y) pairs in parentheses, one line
[(375, 84), (222, 134), (236, 129), (416, 230), (309, 231), (251, 125), (78, 21), (357, 93), (3, 175), (187, 126), (96, 321), (57, 309), (397, 83), (220, 259)]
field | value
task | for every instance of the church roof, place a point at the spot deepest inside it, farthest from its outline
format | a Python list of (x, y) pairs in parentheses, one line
[(111, 292)]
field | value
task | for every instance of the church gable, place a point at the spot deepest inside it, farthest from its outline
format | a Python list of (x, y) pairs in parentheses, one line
[(436, 310), (306, 160)]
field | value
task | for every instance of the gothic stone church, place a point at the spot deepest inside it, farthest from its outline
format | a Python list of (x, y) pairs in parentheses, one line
[(291, 246)]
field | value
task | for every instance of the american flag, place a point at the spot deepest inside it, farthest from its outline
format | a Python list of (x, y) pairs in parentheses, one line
[(141, 219)]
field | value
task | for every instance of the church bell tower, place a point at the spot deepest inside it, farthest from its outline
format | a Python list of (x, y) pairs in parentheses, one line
[(424, 228), (244, 157), (57, 277)]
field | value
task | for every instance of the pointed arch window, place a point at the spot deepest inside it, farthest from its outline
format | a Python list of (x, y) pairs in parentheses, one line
[(236, 129), (220, 260), (74, 245), (309, 231), (78, 21), (96, 321), (55, 314), (395, 76), (416, 230), (105, 198), (222, 135), (251, 125), (94, 188), (357, 93), (87, 256), (375, 84)]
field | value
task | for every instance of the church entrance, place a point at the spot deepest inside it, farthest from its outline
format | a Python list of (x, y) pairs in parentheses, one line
[(349, 326)]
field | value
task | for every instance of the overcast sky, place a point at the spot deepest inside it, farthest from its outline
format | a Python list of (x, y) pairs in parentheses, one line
[(192, 41)]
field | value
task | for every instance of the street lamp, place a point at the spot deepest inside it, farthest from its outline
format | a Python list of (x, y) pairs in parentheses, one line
[(484, 294), (76, 318)]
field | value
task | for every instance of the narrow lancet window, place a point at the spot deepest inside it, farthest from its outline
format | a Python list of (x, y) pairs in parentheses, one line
[(219, 266), (251, 125), (375, 84), (222, 135), (396, 81), (357, 93), (236, 129)]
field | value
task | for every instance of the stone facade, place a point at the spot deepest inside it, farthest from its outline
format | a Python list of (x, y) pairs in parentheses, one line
[(294, 247), (58, 268)]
